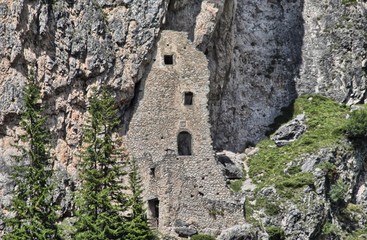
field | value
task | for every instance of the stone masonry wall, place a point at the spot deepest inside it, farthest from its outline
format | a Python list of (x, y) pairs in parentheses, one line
[(191, 189)]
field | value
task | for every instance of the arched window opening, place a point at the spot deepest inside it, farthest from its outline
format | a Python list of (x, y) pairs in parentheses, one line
[(184, 144), (188, 98)]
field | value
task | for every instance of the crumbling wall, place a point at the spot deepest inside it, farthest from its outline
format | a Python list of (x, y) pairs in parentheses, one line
[(191, 188)]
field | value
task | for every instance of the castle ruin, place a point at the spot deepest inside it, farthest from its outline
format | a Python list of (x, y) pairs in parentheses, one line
[(169, 136)]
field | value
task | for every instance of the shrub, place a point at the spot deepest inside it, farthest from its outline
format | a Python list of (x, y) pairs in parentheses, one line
[(349, 2), (338, 191), (275, 233), (236, 185), (202, 237), (270, 205), (297, 181), (357, 124), (330, 169), (329, 229)]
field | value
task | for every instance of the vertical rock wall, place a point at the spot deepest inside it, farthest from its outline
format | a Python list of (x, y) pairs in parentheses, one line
[(255, 57), (264, 53), (334, 52)]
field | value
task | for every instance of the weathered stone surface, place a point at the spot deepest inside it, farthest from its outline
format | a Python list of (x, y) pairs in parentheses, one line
[(187, 179), (261, 55), (230, 170), (70, 46), (334, 50), (302, 215), (185, 231), (255, 56), (242, 232), (290, 131), (232, 164)]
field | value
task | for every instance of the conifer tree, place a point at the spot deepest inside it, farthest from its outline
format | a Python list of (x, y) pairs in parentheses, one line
[(101, 200), (137, 227), (32, 213)]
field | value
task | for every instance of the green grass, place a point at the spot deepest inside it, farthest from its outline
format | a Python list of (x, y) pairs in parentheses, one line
[(357, 125), (338, 191), (275, 233), (325, 120), (270, 206), (202, 237), (358, 234), (330, 228), (349, 2), (236, 185)]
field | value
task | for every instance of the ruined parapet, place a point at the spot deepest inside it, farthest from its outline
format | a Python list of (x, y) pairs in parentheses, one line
[(169, 135)]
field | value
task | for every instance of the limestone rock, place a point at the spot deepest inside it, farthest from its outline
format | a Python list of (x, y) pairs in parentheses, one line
[(261, 55), (264, 53), (232, 164), (290, 131), (185, 231), (70, 46), (303, 215), (241, 232)]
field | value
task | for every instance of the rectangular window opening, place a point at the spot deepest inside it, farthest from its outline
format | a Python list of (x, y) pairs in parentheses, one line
[(168, 59), (152, 172), (153, 212), (188, 98)]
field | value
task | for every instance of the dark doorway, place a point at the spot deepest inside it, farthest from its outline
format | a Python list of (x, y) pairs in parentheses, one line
[(153, 208), (188, 98), (168, 59), (184, 144)]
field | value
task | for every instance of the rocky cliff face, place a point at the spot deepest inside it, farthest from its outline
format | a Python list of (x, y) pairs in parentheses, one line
[(69, 46), (261, 54), (265, 53)]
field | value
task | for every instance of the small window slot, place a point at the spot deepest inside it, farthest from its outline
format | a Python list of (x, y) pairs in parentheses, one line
[(152, 172), (188, 96), (168, 59)]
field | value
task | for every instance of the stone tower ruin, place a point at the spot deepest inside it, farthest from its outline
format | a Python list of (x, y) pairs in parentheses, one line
[(169, 136)]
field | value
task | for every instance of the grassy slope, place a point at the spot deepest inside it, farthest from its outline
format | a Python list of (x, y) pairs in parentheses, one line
[(325, 120)]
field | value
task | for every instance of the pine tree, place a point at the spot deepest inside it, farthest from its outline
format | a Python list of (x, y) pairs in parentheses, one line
[(32, 213), (101, 200), (137, 227)]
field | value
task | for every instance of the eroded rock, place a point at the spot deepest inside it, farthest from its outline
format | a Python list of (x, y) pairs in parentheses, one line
[(290, 131)]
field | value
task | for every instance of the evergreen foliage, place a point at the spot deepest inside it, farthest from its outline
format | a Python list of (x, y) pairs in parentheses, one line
[(338, 191), (202, 237), (101, 200), (357, 124), (275, 233), (33, 215), (137, 227)]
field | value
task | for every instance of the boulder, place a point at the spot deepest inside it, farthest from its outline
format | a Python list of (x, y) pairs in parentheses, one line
[(290, 131), (185, 231), (241, 232), (232, 164)]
